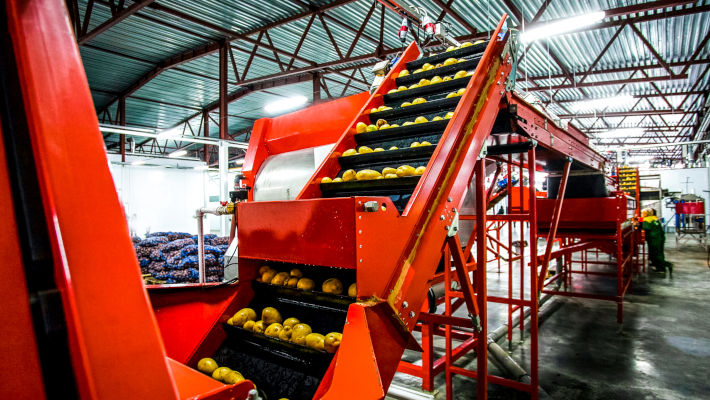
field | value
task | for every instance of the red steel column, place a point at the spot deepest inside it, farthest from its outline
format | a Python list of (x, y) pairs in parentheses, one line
[(533, 274), (481, 250)]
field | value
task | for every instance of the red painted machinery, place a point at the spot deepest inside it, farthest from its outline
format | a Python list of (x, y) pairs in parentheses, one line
[(385, 235)]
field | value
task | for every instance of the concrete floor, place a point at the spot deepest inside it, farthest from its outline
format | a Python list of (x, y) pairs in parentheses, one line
[(662, 351)]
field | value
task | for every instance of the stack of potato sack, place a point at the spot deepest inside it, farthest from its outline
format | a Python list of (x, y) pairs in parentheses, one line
[(172, 257)]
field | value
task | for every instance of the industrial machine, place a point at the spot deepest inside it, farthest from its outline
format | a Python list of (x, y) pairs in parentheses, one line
[(690, 218), (385, 235)]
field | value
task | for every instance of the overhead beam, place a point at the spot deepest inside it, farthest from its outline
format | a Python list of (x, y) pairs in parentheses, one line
[(625, 114), (120, 16), (608, 82)]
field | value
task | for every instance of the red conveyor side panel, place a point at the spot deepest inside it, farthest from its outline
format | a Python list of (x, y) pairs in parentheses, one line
[(20, 371)]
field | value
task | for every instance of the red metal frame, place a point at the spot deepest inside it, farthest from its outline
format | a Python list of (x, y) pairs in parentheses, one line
[(109, 327)]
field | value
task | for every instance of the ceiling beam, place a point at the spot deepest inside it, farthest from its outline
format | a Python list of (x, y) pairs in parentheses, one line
[(625, 114), (118, 17), (608, 82)]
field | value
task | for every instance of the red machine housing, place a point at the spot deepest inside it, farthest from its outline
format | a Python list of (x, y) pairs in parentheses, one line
[(690, 207)]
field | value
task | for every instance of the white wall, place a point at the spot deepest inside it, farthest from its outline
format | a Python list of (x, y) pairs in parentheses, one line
[(675, 181)]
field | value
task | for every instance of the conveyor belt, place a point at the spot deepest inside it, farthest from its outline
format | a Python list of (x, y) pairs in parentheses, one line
[(437, 105)]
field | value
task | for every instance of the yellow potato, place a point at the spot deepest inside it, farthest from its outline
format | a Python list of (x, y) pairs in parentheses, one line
[(437, 118), (388, 170), (285, 333), (233, 377), (273, 330), (371, 128), (374, 110), (418, 71), (425, 143), (405, 170), (305, 283), (269, 315), (394, 126), (450, 48), (436, 79), (403, 72), (220, 373), (380, 122), (352, 289), (427, 66), (349, 175), (366, 175), (295, 272), (268, 276), (290, 322), (420, 120), (460, 74), (332, 341), (349, 152), (207, 365), (450, 61), (401, 88), (461, 91), (242, 316), (408, 123), (280, 279), (263, 269), (446, 78), (466, 44), (326, 179), (378, 149), (414, 86), (406, 104), (364, 150), (392, 91), (450, 95), (419, 170), (391, 176), (449, 115), (300, 331), (315, 341), (424, 82), (258, 327), (419, 100), (394, 148), (292, 282), (249, 325), (414, 144), (333, 285), (385, 126)]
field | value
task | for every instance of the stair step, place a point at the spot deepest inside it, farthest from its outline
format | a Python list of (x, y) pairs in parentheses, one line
[(440, 57), (468, 65)]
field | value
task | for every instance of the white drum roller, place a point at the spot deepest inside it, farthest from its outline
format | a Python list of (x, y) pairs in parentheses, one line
[(283, 176)]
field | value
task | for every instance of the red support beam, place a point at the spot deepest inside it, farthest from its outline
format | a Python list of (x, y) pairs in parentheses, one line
[(611, 82), (120, 16), (626, 113), (456, 16), (553, 224)]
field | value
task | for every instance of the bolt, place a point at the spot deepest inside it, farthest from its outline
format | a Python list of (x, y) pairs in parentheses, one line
[(446, 228), (411, 314), (450, 199), (361, 260), (441, 217), (405, 305), (453, 209)]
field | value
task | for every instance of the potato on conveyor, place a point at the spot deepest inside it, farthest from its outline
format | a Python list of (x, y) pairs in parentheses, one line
[(292, 282), (270, 315), (435, 80), (300, 331), (385, 126), (367, 175), (406, 104), (403, 72), (425, 143), (273, 330), (461, 91), (391, 176), (421, 120), (263, 269), (259, 327), (380, 122), (449, 115), (280, 279), (437, 118), (333, 285), (408, 123), (232, 377), (414, 86), (424, 82), (316, 341), (349, 175), (290, 322), (460, 74), (447, 78), (450, 61), (268, 276), (364, 150), (326, 179), (349, 152), (295, 272), (332, 341), (306, 284), (371, 128), (414, 144), (285, 333), (427, 66), (352, 289), (220, 373), (242, 316), (401, 88), (249, 325), (207, 365), (419, 100), (360, 127), (378, 149), (388, 170), (420, 170), (394, 148), (405, 170)]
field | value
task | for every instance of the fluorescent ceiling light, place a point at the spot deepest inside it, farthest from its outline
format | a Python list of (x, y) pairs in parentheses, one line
[(174, 131), (598, 104), (621, 133), (285, 104), (138, 162), (562, 26), (177, 153), (201, 167)]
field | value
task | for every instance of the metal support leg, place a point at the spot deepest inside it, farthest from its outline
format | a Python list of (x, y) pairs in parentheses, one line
[(553, 224)]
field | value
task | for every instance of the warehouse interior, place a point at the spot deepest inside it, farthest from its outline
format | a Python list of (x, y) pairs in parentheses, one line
[(355, 199)]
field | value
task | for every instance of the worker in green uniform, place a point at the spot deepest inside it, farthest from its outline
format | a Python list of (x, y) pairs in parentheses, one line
[(656, 239)]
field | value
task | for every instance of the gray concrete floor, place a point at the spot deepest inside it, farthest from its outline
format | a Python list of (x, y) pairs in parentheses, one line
[(662, 351)]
